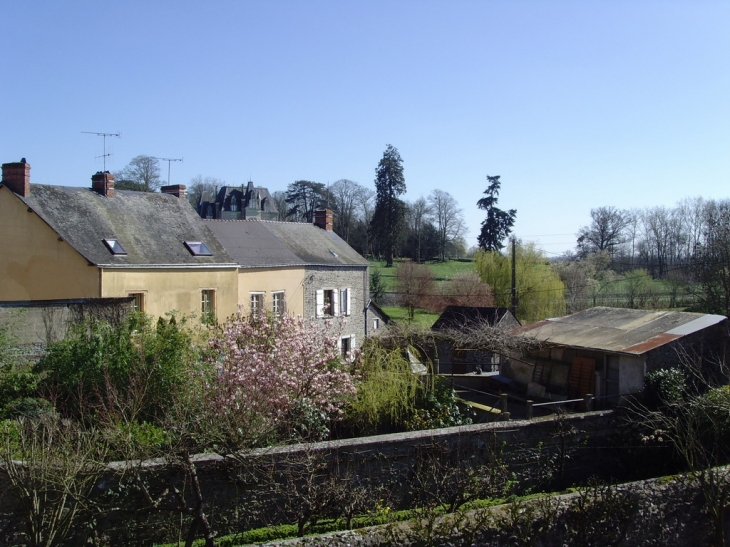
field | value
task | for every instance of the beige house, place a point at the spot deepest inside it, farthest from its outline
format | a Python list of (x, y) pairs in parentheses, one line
[(72, 242)]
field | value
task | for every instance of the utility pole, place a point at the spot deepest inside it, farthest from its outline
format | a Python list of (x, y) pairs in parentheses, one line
[(105, 135), (514, 276), (169, 161)]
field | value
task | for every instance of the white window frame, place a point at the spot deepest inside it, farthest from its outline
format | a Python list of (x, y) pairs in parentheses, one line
[(207, 304), (259, 297), (279, 309), (350, 354), (340, 302)]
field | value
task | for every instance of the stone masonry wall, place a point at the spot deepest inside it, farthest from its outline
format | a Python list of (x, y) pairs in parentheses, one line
[(340, 277)]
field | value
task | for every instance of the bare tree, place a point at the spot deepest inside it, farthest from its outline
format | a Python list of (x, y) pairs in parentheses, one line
[(605, 232), (203, 188), (279, 199), (346, 196), (142, 173), (416, 214), (448, 218)]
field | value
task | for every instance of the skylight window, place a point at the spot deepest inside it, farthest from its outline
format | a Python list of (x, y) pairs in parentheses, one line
[(114, 246), (198, 248)]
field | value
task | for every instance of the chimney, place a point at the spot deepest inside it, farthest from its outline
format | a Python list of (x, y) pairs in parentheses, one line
[(16, 177), (103, 183), (177, 190), (323, 219)]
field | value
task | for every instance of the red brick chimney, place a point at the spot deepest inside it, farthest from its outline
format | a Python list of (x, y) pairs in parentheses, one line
[(177, 190), (323, 219), (103, 183), (16, 177)]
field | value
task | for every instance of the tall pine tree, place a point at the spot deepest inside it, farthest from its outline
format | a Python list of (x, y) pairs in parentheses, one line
[(388, 219), (498, 224)]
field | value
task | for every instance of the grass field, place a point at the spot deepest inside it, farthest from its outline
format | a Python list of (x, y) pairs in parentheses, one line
[(441, 270)]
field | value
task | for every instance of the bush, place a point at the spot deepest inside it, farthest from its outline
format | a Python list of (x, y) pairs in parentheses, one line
[(131, 370), (664, 387)]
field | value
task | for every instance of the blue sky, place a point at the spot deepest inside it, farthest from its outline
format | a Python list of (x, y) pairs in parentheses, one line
[(575, 104)]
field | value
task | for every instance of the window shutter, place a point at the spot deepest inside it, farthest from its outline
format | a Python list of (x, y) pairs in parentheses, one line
[(319, 303), (335, 302), (349, 308)]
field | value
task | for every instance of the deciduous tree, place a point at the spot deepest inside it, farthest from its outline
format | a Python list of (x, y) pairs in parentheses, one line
[(448, 218), (203, 187), (141, 174)]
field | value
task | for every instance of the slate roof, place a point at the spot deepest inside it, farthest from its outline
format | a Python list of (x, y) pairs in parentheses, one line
[(261, 243), (150, 226), (454, 317), (619, 330)]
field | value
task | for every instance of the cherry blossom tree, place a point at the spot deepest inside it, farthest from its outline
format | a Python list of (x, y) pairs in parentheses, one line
[(272, 369)]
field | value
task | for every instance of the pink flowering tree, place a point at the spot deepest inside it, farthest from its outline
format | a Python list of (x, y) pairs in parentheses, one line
[(277, 375)]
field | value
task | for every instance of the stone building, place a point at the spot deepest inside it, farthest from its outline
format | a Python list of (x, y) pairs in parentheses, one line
[(239, 203)]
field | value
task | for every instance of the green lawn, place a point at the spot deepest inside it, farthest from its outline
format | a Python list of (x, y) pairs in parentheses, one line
[(441, 270)]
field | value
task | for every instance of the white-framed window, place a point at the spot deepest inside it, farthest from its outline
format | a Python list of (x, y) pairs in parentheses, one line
[(347, 344), (376, 323), (278, 303), (256, 303), (138, 304), (207, 305), (344, 302), (332, 302)]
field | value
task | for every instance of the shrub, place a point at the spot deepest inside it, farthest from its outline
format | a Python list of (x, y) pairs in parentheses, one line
[(664, 387)]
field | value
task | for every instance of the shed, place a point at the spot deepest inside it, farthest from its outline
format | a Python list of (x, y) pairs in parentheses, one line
[(608, 351)]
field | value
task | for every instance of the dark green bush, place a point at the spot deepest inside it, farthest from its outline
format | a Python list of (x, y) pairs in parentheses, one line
[(131, 370), (664, 388)]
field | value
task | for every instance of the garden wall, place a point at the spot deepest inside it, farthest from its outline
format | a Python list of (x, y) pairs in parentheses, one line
[(559, 451)]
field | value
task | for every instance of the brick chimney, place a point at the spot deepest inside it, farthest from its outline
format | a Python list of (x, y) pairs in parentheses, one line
[(323, 219), (177, 190), (103, 183), (16, 177)]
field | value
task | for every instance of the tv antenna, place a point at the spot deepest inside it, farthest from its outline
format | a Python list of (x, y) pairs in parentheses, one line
[(169, 161), (105, 135)]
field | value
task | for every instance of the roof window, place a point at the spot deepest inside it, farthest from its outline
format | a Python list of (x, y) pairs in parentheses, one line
[(114, 246), (198, 248)]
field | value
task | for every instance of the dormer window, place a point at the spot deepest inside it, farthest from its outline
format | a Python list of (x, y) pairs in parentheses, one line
[(234, 204), (198, 248), (114, 246)]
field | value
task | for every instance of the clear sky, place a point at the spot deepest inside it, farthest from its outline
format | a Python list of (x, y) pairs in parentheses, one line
[(575, 104)]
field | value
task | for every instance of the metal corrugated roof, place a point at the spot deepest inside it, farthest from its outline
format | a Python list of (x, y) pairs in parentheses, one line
[(619, 330)]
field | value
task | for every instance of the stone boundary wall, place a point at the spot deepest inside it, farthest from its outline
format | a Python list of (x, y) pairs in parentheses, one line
[(570, 449), (34, 324), (657, 512)]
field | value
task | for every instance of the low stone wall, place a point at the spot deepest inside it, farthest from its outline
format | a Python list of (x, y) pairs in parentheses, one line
[(656, 512), (555, 451)]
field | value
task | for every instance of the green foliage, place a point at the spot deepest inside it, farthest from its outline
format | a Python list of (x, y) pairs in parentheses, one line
[(386, 392), (389, 215), (132, 369), (377, 285), (498, 224), (438, 407), (664, 387), (17, 382), (539, 288)]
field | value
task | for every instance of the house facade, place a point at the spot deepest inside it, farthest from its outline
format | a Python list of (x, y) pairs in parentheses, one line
[(239, 203), (608, 351), (66, 243), (307, 268)]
